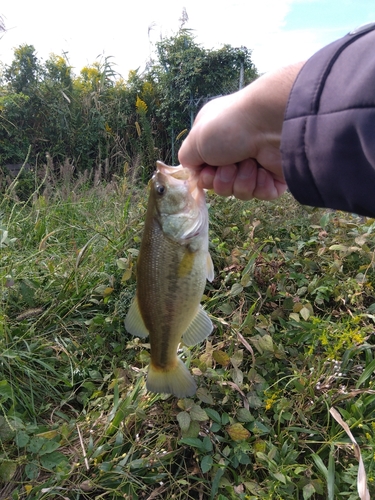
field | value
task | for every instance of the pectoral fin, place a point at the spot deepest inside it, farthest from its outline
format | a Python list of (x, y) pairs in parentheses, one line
[(134, 323), (210, 268), (199, 329)]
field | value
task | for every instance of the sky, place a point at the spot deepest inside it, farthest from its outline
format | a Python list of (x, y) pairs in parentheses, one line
[(278, 32)]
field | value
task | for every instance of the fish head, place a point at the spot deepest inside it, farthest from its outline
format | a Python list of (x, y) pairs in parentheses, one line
[(177, 200)]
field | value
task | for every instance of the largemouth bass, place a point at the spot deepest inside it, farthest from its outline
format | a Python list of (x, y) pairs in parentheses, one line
[(172, 268)]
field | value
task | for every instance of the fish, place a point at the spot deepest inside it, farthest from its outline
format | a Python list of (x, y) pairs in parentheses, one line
[(172, 268)]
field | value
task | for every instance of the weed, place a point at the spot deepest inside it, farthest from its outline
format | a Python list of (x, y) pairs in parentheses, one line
[(293, 307)]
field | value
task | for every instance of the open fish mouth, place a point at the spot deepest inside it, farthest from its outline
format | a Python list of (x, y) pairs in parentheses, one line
[(181, 174), (178, 173)]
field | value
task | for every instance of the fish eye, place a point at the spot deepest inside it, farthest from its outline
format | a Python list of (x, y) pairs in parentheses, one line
[(160, 189)]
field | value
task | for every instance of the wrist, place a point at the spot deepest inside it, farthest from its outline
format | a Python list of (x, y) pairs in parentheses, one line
[(266, 100)]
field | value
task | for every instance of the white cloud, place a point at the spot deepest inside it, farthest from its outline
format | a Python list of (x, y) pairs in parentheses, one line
[(120, 28), (250, 23), (285, 47)]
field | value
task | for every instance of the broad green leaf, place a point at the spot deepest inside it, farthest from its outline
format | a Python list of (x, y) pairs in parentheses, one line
[(207, 444), (51, 460), (198, 413), (48, 447), (225, 418), (185, 404), (236, 289), (266, 343), (206, 463), (259, 428), (308, 490), (193, 442), (138, 463), (237, 376), (244, 459), (6, 432), (280, 477), (244, 415), (254, 400), (35, 444), (184, 420), (7, 470), (32, 470), (324, 220), (215, 427), (226, 308), (5, 390), (213, 415), (22, 438), (237, 358), (193, 430), (205, 396)]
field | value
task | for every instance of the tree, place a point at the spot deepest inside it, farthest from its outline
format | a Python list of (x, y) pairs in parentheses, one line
[(20, 105), (188, 75), (23, 73)]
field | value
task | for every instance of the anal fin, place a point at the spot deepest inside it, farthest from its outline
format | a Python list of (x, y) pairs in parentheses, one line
[(199, 329), (134, 323)]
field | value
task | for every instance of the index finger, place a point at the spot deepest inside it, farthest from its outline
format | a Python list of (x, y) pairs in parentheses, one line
[(189, 156)]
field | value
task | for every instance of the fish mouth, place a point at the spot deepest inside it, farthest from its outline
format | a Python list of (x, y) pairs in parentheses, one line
[(179, 174)]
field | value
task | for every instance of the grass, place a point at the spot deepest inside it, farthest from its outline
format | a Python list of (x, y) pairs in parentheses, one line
[(293, 305)]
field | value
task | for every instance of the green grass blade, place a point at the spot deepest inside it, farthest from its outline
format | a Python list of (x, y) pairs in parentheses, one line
[(368, 371), (331, 475)]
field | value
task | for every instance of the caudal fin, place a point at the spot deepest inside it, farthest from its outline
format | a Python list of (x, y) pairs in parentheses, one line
[(177, 381)]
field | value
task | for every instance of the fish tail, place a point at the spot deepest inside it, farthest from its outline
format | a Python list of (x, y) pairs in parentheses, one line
[(177, 381)]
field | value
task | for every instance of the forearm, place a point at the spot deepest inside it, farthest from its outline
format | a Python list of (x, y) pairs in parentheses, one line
[(264, 101), (263, 104)]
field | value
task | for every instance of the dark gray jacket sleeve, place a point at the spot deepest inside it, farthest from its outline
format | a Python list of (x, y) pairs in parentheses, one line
[(328, 136)]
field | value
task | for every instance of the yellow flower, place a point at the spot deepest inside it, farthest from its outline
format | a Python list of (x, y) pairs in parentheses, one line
[(271, 401), (141, 106)]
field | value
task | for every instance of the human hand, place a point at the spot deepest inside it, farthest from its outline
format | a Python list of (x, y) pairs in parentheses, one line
[(235, 139)]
